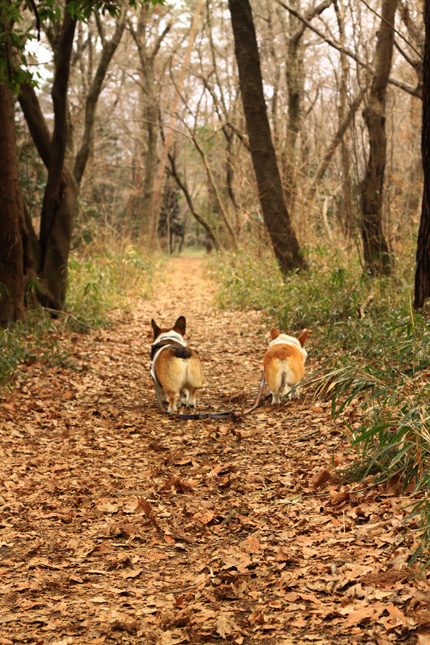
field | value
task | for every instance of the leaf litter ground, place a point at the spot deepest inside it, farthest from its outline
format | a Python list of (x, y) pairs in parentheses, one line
[(119, 524)]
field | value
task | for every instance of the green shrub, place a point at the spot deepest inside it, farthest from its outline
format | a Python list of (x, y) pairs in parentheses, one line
[(375, 350), (34, 339), (330, 297), (101, 278)]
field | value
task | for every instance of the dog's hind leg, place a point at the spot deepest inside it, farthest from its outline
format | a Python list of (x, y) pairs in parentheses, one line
[(276, 399), (163, 396), (191, 403), (185, 395), (276, 388), (173, 399)]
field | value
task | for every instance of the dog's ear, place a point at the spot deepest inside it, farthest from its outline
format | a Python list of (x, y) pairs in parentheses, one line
[(303, 337), (180, 325), (155, 327), (274, 333)]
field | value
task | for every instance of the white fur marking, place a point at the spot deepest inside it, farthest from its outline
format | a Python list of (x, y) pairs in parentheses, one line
[(169, 335), (289, 340)]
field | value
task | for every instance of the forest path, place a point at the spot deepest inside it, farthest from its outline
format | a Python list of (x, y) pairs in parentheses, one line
[(123, 525)]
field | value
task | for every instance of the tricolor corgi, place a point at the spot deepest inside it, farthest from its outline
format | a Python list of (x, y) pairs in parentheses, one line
[(176, 369), (284, 363)]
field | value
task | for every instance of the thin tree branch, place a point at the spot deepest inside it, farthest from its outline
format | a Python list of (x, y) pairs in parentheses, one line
[(316, 11), (396, 31), (414, 91), (201, 220), (109, 48), (336, 141), (36, 122)]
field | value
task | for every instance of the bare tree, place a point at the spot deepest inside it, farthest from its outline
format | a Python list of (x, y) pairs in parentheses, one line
[(283, 237), (295, 75), (377, 257), (148, 48), (12, 216), (422, 273)]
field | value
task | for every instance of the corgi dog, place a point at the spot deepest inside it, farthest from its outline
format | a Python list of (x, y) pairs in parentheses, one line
[(175, 369), (284, 363)]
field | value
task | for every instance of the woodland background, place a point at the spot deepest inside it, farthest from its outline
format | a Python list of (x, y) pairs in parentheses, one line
[(171, 89), (130, 132), (138, 138)]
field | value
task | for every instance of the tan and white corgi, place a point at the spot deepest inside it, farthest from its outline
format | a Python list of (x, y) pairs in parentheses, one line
[(284, 363), (176, 369)]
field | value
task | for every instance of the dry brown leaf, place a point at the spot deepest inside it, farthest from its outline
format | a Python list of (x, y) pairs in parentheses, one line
[(223, 627), (320, 477), (424, 638), (133, 573), (252, 544), (226, 521)]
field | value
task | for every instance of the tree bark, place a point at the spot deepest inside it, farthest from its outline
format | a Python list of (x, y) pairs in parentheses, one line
[(377, 257), (422, 272), (346, 216), (51, 251), (210, 233), (109, 48), (11, 217), (295, 77), (144, 188), (275, 213), (61, 191)]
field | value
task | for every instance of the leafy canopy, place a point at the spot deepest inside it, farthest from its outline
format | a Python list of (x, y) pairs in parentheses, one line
[(16, 29)]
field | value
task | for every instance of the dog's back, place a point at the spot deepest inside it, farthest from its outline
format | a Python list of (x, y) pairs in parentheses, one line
[(176, 368), (284, 363)]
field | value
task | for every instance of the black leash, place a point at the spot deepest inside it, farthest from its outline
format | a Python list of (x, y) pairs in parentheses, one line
[(232, 414)]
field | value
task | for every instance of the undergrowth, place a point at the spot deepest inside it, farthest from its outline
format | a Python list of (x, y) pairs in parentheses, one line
[(101, 278), (374, 347)]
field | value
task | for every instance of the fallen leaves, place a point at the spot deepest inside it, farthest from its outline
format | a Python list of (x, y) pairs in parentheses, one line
[(121, 525), (320, 477)]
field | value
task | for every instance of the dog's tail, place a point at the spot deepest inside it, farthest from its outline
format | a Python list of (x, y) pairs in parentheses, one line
[(182, 352)]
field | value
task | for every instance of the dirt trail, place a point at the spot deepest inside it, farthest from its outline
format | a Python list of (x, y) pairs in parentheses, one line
[(119, 524)]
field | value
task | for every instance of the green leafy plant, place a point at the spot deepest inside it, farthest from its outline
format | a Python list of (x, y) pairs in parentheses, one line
[(375, 351), (33, 340), (102, 276)]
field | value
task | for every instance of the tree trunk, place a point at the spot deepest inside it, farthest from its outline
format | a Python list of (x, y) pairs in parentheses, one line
[(61, 192), (295, 86), (150, 122), (295, 77), (346, 217), (276, 217), (422, 273), (11, 217), (109, 48), (377, 257), (143, 194), (210, 233), (51, 252)]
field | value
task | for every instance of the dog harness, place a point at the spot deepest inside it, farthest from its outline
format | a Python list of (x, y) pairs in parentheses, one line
[(290, 340), (156, 351)]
